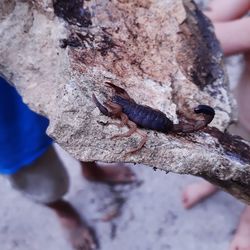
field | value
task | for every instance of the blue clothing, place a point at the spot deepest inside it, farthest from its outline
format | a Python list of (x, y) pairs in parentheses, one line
[(22, 132)]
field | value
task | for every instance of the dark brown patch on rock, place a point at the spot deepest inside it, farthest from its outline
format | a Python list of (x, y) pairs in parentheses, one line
[(236, 186), (77, 39), (6, 7), (233, 145), (123, 44), (202, 48), (73, 12)]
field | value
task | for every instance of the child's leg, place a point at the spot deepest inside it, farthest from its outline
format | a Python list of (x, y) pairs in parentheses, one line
[(234, 35), (226, 10), (234, 38), (241, 239), (197, 192), (242, 94), (46, 181), (108, 173)]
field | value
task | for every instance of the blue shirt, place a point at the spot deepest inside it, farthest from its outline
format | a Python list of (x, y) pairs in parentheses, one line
[(22, 132)]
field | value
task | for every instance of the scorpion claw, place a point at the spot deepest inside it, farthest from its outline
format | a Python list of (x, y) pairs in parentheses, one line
[(100, 106), (119, 90), (116, 88)]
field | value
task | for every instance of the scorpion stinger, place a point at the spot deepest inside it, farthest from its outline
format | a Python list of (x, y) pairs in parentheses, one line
[(208, 114), (207, 111)]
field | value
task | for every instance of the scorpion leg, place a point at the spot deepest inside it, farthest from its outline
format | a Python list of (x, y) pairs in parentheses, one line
[(115, 112), (141, 144), (132, 127), (124, 120), (120, 91), (116, 109)]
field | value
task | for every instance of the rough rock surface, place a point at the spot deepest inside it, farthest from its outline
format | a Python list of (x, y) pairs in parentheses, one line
[(163, 53)]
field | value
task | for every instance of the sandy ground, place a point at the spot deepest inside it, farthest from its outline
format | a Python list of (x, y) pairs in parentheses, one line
[(152, 216)]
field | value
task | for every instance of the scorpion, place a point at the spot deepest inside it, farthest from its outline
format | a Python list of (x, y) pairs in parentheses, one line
[(122, 106)]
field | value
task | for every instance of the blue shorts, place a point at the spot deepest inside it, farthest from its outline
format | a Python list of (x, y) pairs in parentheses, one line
[(22, 132)]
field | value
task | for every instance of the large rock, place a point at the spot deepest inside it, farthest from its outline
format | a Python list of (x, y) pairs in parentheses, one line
[(164, 53)]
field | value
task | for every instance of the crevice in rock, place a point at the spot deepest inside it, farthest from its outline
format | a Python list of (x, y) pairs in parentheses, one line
[(73, 12)]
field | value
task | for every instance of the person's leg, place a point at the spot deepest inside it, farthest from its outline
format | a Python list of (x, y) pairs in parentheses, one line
[(197, 192), (46, 181), (241, 239), (227, 10), (79, 233), (107, 173), (242, 95), (234, 35)]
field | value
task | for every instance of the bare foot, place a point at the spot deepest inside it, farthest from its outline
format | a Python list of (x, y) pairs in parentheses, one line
[(241, 239), (107, 174), (196, 192), (81, 238), (79, 234)]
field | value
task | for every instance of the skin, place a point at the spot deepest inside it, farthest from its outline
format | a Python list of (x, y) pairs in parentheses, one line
[(233, 33), (227, 10), (80, 235), (110, 174), (78, 232)]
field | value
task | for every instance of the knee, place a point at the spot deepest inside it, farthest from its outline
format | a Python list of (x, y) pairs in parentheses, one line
[(44, 181)]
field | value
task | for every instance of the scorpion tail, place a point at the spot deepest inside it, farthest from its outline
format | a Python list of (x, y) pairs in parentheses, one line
[(103, 109), (207, 111), (208, 114)]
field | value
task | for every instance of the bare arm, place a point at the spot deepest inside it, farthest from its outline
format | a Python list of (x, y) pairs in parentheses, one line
[(227, 10), (234, 36)]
